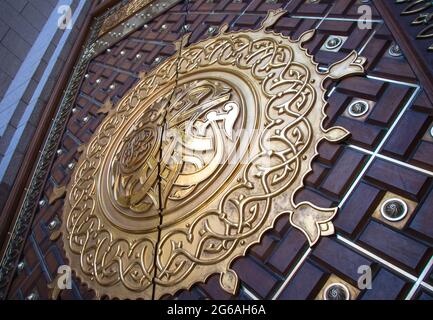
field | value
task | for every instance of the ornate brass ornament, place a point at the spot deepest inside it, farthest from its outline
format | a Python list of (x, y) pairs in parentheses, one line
[(394, 209), (124, 12), (197, 161), (336, 291), (423, 18), (127, 17), (416, 6)]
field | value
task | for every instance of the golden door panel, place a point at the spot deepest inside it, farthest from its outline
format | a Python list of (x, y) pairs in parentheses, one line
[(186, 161)]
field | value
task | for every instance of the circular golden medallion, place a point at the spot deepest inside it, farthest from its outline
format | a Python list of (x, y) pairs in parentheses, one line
[(197, 161)]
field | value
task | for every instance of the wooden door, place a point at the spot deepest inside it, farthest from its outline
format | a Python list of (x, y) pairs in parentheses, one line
[(380, 177)]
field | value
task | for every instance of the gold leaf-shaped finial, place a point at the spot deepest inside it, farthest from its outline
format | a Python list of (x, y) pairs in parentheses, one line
[(54, 289), (336, 134), (272, 17), (142, 75), (57, 193), (229, 281), (81, 148), (182, 42), (224, 28), (309, 219), (106, 107), (351, 65), (306, 36)]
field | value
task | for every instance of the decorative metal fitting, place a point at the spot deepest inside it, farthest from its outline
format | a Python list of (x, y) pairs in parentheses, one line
[(333, 42), (86, 75), (211, 30), (122, 53), (163, 27), (74, 110), (98, 81), (108, 50), (53, 224), (336, 291), (431, 131), (86, 119), (32, 296), (358, 108), (59, 152), (271, 1), (21, 266), (112, 86), (157, 60), (423, 18), (394, 209), (138, 56), (395, 51), (71, 165), (186, 28), (42, 203)]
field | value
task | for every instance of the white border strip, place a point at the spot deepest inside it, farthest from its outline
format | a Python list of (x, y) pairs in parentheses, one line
[(390, 159), (335, 18), (413, 85), (249, 293), (377, 258), (420, 279), (379, 146), (292, 273)]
